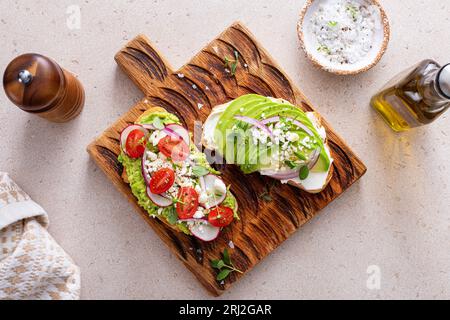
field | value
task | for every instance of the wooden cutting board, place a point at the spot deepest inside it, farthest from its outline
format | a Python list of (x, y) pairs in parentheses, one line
[(204, 81)]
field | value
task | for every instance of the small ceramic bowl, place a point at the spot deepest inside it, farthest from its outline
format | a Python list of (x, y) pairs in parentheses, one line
[(309, 46)]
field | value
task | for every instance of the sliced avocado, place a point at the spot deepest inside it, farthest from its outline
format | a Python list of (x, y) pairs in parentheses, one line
[(255, 160), (258, 107), (256, 110), (227, 121), (323, 164), (236, 105)]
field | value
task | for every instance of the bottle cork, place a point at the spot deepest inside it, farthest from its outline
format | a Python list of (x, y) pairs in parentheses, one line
[(38, 85)]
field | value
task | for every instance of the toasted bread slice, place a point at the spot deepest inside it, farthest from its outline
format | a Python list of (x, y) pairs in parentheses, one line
[(125, 176), (300, 186), (149, 112), (208, 141)]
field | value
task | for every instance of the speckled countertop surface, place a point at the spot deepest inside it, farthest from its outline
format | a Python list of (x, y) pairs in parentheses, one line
[(396, 220)]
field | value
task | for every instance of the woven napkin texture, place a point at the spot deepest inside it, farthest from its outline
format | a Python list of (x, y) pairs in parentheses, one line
[(32, 265)]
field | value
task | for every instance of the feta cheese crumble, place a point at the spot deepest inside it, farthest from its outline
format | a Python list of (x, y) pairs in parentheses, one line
[(345, 30)]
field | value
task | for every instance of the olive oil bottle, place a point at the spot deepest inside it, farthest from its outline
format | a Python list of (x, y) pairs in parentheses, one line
[(415, 97)]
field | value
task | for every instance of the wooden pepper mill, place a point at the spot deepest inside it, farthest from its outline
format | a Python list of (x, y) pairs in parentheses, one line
[(37, 84)]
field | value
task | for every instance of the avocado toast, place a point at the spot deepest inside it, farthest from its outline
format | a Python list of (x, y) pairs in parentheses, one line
[(273, 137), (172, 180)]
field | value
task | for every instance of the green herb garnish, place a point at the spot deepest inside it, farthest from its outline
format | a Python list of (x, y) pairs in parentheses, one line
[(266, 194), (225, 266), (267, 197), (176, 200), (172, 215), (232, 65), (200, 171), (300, 155), (291, 164), (323, 48), (158, 124), (142, 141), (332, 23), (353, 11), (304, 173)]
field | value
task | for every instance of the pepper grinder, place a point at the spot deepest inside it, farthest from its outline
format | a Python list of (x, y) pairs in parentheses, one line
[(38, 85)]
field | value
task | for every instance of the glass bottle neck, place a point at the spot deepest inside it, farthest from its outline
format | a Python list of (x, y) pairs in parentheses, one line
[(429, 88)]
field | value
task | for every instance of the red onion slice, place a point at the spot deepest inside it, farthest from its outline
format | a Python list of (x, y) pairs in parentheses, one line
[(125, 132), (255, 123), (271, 120), (281, 175), (178, 132), (172, 134), (295, 122)]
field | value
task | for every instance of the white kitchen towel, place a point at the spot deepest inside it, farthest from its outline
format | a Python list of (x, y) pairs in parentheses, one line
[(32, 265)]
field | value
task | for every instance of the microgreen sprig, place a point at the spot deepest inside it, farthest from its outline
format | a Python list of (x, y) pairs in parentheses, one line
[(172, 215), (323, 48), (332, 23), (353, 11), (225, 266), (200, 171), (231, 65), (176, 200), (266, 194)]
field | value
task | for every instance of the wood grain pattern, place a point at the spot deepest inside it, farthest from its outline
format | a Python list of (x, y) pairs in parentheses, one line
[(264, 225)]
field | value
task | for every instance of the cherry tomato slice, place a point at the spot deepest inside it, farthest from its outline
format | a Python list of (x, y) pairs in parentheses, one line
[(162, 180), (174, 148), (221, 217), (188, 203), (135, 144)]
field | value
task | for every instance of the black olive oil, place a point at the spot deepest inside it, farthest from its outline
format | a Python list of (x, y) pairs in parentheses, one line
[(415, 97)]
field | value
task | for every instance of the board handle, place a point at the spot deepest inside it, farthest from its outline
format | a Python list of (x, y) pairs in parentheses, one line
[(143, 64)]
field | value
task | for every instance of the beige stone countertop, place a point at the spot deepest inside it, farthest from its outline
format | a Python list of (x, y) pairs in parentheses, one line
[(395, 221)]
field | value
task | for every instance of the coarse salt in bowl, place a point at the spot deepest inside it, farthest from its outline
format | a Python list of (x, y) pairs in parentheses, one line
[(344, 36)]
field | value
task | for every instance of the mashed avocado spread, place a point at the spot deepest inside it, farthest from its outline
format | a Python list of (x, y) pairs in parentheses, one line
[(138, 185)]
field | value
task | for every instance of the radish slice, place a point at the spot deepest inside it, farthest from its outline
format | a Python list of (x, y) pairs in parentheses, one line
[(144, 171), (178, 131), (126, 132), (192, 220), (211, 181), (149, 126), (159, 200), (205, 231), (202, 183), (203, 187)]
